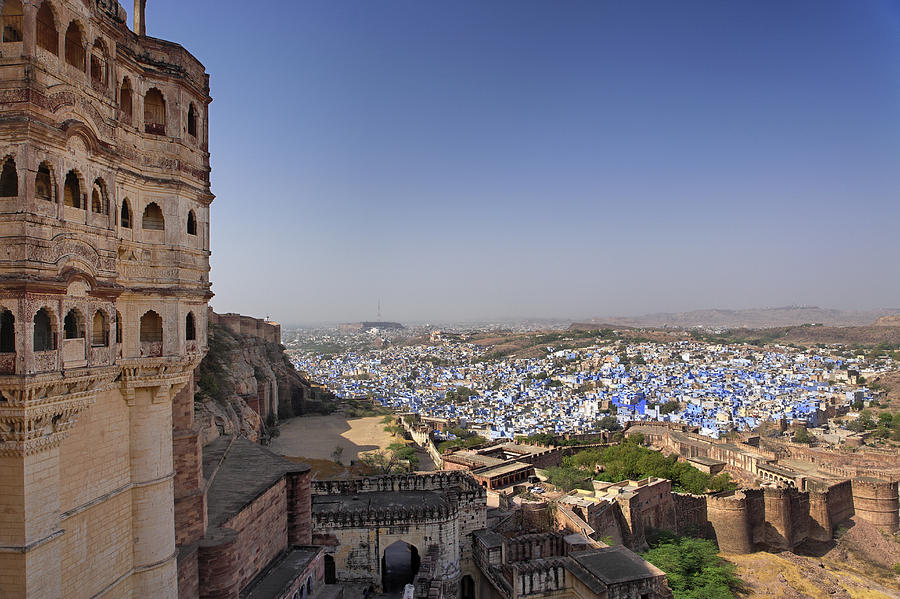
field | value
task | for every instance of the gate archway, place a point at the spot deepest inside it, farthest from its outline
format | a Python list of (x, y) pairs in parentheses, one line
[(399, 566)]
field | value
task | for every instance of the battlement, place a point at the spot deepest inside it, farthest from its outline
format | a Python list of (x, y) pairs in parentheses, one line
[(460, 482), (380, 509), (247, 326)]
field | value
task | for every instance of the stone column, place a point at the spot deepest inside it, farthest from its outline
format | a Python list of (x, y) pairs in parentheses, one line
[(153, 512), (29, 29)]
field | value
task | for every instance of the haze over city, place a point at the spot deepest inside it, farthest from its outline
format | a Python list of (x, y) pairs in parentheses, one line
[(475, 160)]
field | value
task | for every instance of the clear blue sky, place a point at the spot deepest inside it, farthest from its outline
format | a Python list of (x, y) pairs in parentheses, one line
[(480, 159)]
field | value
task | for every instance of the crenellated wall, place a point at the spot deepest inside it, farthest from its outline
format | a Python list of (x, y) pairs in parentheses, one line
[(247, 326)]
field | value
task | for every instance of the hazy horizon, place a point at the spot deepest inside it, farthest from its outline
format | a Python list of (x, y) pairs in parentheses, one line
[(477, 159)]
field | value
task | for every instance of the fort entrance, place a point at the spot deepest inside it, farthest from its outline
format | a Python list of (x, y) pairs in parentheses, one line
[(399, 566)]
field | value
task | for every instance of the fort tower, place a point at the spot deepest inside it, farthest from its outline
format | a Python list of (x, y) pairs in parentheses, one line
[(104, 281)]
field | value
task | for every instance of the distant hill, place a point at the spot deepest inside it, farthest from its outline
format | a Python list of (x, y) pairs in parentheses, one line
[(755, 318)]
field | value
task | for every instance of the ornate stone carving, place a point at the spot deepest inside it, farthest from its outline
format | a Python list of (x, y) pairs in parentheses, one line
[(166, 376), (38, 413)]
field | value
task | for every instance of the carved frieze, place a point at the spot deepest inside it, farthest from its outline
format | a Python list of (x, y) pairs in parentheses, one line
[(38, 413)]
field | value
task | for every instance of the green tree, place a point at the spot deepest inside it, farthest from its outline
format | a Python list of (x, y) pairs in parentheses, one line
[(694, 569), (803, 436), (567, 478), (669, 407), (608, 423)]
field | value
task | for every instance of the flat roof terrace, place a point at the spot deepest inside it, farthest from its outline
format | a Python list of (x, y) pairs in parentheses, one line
[(278, 578), (239, 471), (615, 565), (379, 500)]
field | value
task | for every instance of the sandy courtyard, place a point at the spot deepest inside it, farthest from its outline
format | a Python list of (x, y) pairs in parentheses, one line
[(316, 437)]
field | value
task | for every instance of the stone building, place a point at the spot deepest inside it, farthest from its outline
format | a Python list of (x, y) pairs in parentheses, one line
[(362, 522), (104, 284), (557, 566)]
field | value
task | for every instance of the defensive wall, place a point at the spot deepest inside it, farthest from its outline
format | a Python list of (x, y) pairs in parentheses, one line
[(421, 435), (239, 324), (839, 489)]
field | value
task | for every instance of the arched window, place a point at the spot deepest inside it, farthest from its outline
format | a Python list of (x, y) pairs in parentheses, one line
[(100, 330), (11, 21), (47, 35), (190, 328), (125, 100), (126, 214), (44, 186), (192, 120), (44, 330), (7, 332), (75, 46), (118, 327), (99, 202), (72, 191), (9, 179), (153, 218), (155, 112), (191, 223), (151, 328), (73, 325), (98, 64)]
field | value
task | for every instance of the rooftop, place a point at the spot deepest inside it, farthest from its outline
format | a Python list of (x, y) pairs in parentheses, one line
[(281, 573), (364, 502), (502, 469), (237, 472), (614, 565)]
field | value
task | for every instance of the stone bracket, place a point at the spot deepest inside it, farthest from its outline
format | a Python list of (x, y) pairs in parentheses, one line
[(165, 377), (37, 412)]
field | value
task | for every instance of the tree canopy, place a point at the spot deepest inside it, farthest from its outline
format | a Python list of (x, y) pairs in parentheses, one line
[(693, 567)]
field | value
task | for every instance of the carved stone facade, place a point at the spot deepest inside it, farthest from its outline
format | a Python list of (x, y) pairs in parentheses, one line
[(435, 514), (104, 284)]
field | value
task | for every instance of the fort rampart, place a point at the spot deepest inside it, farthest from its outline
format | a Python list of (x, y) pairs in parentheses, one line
[(239, 324)]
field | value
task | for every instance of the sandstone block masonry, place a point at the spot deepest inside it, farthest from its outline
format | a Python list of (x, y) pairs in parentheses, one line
[(104, 284), (436, 514), (841, 486)]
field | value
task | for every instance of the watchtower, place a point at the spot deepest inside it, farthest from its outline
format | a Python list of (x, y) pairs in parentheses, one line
[(104, 285)]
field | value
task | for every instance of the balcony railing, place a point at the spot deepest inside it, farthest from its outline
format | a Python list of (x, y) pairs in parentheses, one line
[(99, 355), (45, 361), (155, 128), (151, 349), (74, 353), (8, 363)]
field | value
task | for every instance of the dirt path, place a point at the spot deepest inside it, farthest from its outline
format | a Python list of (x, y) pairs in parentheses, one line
[(316, 437)]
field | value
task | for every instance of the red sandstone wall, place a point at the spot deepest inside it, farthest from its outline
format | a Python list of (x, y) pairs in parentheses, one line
[(247, 325), (299, 502), (262, 532), (730, 520), (188, 574), (877, 502), (821, 527), (690, 513), (218, 560)]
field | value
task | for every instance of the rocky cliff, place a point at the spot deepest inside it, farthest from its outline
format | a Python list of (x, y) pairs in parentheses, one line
[(246, 383)]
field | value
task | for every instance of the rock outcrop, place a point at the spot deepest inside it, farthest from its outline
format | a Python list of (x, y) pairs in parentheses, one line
[(246, 383)]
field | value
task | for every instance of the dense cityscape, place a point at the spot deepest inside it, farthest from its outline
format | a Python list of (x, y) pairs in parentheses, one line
[(717, 388)]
